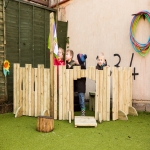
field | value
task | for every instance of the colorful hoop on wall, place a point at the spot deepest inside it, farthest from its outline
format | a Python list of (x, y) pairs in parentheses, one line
[(142, 49)]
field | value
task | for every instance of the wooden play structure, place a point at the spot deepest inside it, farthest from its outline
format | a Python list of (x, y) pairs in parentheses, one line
[(32, 92)]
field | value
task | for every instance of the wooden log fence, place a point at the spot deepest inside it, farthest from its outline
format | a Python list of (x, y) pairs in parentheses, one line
[(31, 91)]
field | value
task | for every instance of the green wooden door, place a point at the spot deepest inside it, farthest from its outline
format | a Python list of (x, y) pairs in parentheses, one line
[(27, 31)]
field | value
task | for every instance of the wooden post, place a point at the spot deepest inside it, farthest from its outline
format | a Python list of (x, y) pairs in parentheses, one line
[(51, 65)]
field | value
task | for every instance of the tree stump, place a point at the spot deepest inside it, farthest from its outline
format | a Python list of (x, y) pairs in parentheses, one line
[(45, 124)]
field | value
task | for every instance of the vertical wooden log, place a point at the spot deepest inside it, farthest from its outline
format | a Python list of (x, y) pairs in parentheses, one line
[(42, 88), (78, 72), (125, 80), (55, 92), (68, 91), (64, 93), (89, 72), (71, 96), (27, 89), (75, 75), (115, 93), (45, 89), (20, 90), (48, 89), (30, 88), (104, 114), (101, 92), (33, 94), (60, 93), (97, 95), (18, 87), (108, 93), (14, 88), (120, 92), (36, 92), (130, 103), (93, 70), (82, 73), (51, 65), (24, 92)]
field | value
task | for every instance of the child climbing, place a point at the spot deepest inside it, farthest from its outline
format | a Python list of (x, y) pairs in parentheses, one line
[(80, 84), (60, 60), (101, 61)]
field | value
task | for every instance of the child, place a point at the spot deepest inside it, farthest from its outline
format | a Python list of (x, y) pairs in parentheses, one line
[(80, 84), (59, 60), (101, 61), (69, 59)]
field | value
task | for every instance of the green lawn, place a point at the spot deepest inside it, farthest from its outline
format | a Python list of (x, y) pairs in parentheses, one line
[(20, 134)]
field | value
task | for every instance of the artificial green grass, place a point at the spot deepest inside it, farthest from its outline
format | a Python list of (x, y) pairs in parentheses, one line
[(20, 134)]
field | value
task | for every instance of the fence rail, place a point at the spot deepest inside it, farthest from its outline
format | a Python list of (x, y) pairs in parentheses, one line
[(32, 91)]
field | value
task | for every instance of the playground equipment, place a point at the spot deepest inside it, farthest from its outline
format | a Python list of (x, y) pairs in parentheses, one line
[(32, 92)]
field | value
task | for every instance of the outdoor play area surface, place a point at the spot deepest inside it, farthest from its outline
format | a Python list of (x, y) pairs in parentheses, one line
[(20, 134)]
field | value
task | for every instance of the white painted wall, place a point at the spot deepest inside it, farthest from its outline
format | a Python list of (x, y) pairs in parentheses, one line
[(103, 26)]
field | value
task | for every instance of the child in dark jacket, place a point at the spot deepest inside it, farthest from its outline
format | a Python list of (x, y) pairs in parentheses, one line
[(80, 84), (69, 59)]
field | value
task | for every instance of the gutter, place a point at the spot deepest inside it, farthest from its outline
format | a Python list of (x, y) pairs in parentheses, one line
[(62, 2)]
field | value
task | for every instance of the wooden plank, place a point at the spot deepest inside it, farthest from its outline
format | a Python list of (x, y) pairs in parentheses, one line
[(14, 88), (45, 89), (108, 93), (132, 111), (90, 72), (55, 92), (36, 92), (93, 70), (69, 114), (86, 73), (48, 93), (18, 86), (85, 121), (82, 73), (101, 93), (104, 114), (130, 87), (71, 95), (122, 115), (33, 93), (52, 65), (30, 88), (125, 98), (42, 88), (20, 90), (19, 112), (27, 89), (75, 75), (120, 91), (60, 93), (64, 93), (115, 93), (68, 90), (97, 95), (78, 72), (24, 92)]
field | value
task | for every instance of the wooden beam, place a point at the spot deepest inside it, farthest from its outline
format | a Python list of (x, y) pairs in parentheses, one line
[(51, 65)]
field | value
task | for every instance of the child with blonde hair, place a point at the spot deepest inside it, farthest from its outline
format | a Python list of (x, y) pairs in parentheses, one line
[(101, 61)]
